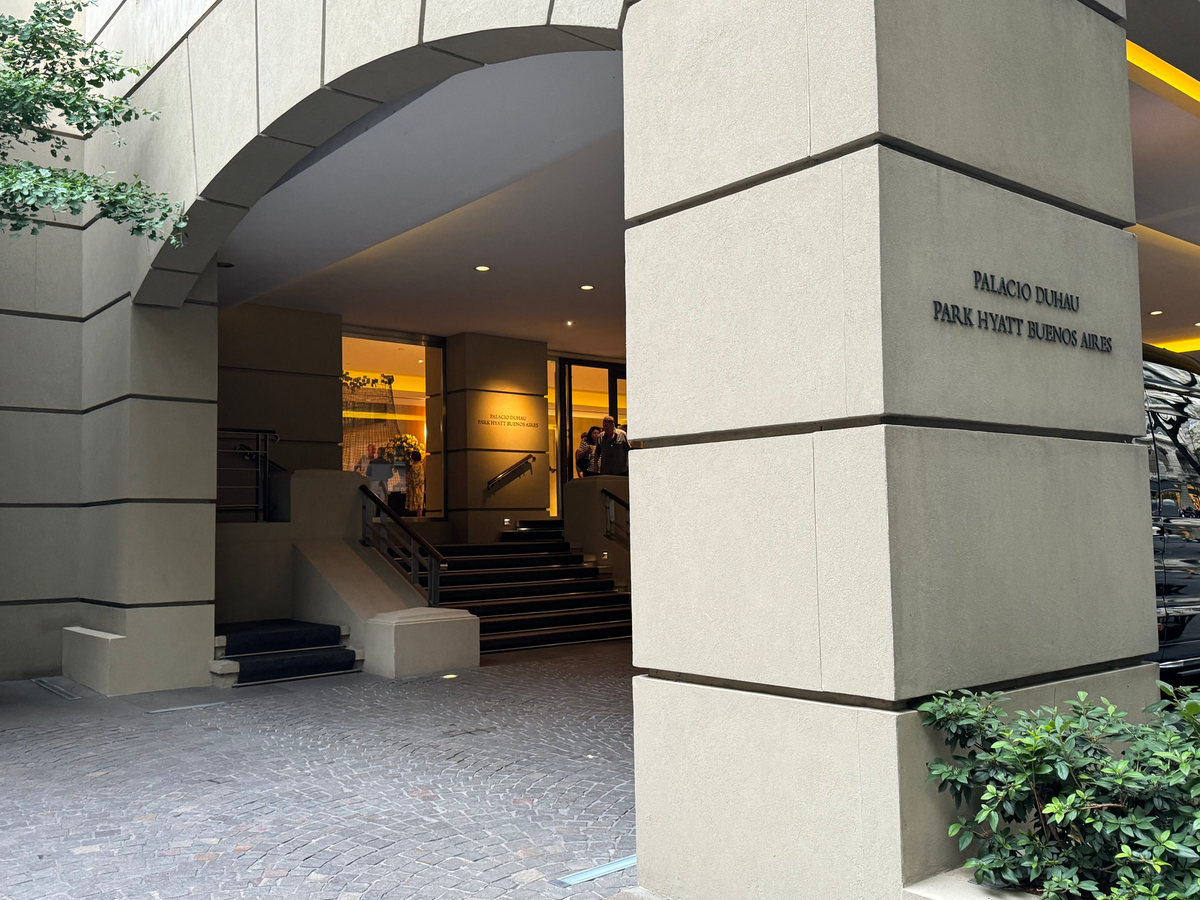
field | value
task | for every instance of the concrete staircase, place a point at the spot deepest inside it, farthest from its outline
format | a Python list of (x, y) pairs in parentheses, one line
[(280, 650), (533, 589)]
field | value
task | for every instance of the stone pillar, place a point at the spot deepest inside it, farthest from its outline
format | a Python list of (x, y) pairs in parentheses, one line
[(108, 477), (884, 349), (148, 492), (496, 415)]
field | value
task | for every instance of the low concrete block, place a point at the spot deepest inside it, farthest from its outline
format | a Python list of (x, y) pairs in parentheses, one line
[(224, 672), (421, 641), (88, 657)]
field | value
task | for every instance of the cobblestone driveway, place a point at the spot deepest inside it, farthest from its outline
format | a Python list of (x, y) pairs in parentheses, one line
[(487, 785)]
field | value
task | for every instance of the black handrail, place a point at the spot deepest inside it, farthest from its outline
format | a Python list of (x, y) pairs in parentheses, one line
[(259, 459), (529, 459), (611, 502), (405, 556), (607, 493)]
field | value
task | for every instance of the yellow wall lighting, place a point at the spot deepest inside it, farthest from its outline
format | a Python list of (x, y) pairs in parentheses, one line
[(1160, 77)]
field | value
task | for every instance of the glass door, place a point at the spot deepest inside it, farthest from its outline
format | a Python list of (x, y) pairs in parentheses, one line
[(590, 391)]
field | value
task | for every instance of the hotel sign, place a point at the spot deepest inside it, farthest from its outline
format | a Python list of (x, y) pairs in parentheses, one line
[(494, 420), (507, 420), (1002, 322)]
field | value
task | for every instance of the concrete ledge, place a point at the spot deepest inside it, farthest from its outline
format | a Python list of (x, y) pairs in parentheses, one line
[(957, 884), (224, 672), (88, 656), (421, 641)]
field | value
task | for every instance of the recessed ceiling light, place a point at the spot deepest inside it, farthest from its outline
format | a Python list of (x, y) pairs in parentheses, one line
[(1198, 324), (449, 676), (224, 265), (420, 360), (483, 268), (587, 287), (1156, 312), (569, 322)]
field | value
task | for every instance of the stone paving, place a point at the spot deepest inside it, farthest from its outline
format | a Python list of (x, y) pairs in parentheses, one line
[(354, 787)]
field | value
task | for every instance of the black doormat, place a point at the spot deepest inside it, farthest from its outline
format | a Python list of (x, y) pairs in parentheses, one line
[(297, 664), (274, 635)]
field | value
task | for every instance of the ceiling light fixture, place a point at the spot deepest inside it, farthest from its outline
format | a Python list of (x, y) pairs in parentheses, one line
[(483, 268), (569, 322), (587, 287), (1156, 312), (419, 361)]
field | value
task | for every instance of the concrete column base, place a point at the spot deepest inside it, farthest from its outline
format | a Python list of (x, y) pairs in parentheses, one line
[(421, 641), (742, 793), (129, 651), (954, 885)]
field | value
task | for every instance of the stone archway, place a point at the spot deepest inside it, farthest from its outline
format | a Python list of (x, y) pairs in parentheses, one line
[(253, 88), (244, 90)]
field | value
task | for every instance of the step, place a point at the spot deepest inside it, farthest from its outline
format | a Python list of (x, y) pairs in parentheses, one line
[(553, 524), (503, 549), (449, 595), (509, 575), (529, 536), (552, 637), (562, 618), (287, 666), (513, 560), (505, 606), (499, 565), (274, 636)]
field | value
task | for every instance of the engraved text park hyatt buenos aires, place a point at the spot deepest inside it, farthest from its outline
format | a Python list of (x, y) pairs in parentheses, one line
[(1015, 326)]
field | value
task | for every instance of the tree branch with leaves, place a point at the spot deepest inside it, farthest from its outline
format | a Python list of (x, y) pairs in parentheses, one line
[(51, 79)]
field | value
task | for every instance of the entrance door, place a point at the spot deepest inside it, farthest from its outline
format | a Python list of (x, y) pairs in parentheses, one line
[(590, 391)]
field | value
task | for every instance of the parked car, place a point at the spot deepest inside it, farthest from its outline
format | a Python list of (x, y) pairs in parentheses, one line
[(1172, 387)]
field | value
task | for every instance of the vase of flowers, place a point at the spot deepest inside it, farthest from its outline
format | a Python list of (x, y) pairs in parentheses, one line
[(399, 449)]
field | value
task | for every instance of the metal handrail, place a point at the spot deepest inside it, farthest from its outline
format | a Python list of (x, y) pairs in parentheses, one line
[(529, 459), (261, 465), (382, 537), (611, 501), (607, 493)]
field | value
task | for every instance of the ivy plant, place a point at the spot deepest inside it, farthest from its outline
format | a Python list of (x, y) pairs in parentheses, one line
[(1078, 804), (51, 85)]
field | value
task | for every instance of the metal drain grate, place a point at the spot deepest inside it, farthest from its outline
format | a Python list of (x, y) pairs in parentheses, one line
[(596, 872)]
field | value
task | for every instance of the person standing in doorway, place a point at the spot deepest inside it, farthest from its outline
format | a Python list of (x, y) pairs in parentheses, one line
[(613, 448), (365, 460), (587, 457), (414, 501), (379, 473)]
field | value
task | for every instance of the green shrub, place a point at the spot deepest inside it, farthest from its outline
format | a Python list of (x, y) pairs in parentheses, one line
[(1085, 804)]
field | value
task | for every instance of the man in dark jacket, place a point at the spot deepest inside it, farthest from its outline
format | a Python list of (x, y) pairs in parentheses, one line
[(614, 449)]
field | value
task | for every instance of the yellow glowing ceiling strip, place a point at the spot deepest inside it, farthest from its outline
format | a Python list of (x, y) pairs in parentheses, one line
[(1160, 77), (412, 383), (1181, 346)]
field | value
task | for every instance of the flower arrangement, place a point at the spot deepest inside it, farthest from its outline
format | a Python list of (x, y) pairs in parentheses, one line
[(399, 449)]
